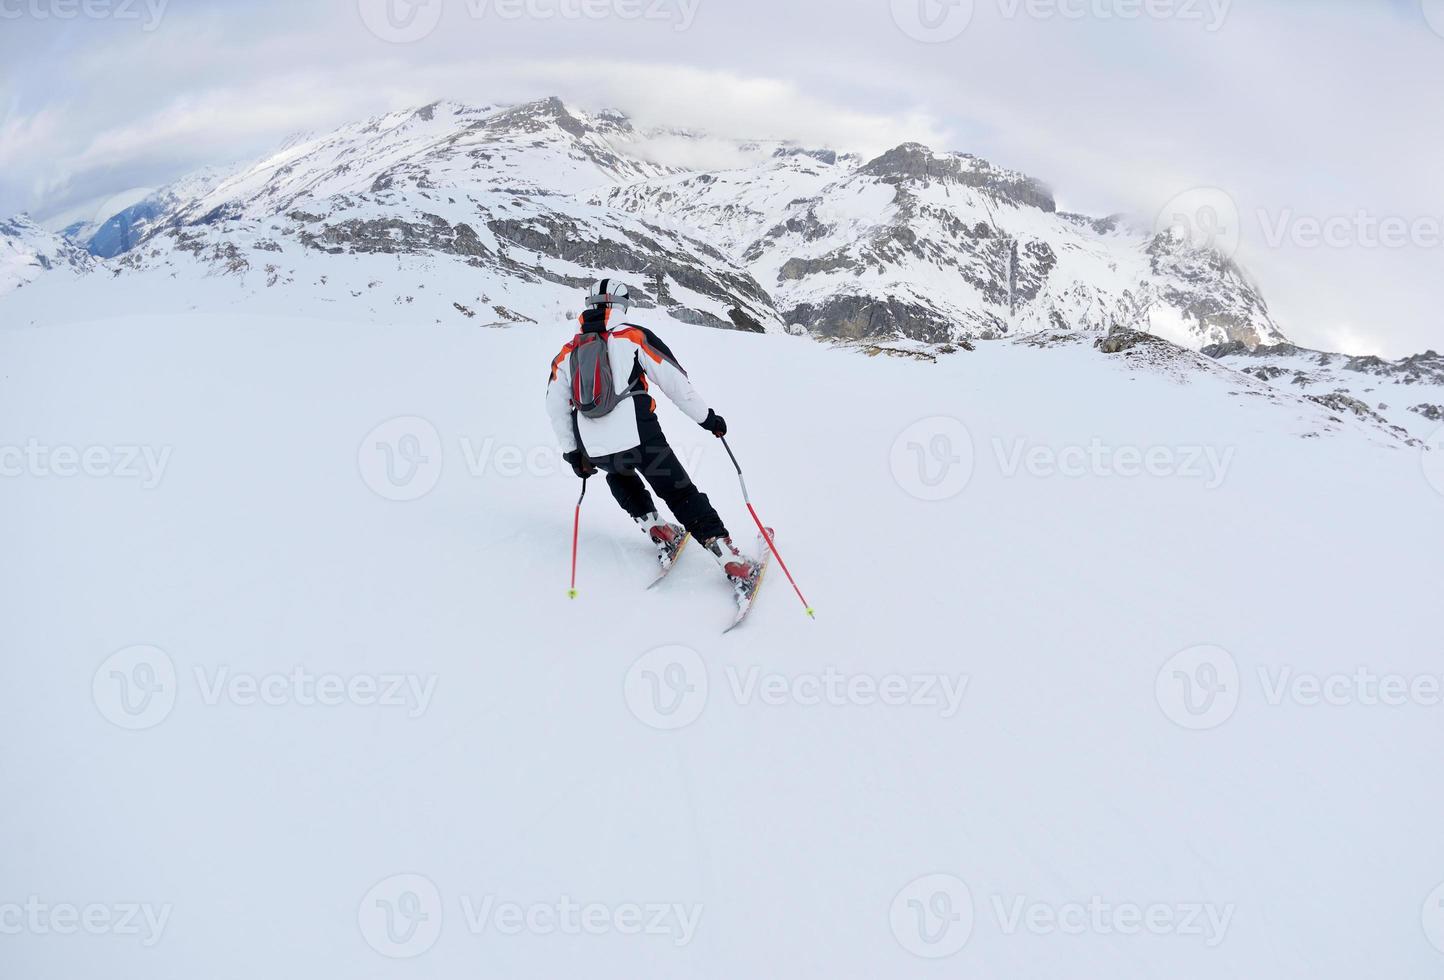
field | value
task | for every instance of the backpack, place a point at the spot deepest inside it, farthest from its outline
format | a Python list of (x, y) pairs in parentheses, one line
[(593, 392)]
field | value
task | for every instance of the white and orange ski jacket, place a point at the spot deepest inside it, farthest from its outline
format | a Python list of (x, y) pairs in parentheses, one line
[(639, 359)]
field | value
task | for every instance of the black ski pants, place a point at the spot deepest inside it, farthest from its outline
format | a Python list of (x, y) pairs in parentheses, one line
[(655, 462)]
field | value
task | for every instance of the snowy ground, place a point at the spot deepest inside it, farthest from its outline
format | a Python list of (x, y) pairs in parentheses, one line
[(610, 788)]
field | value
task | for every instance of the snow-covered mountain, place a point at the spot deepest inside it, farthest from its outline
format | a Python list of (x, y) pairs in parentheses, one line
[(27, 251), (944, 247), (500, 215), (940, 248), (454, 212), (127, 228), (1407, 394)]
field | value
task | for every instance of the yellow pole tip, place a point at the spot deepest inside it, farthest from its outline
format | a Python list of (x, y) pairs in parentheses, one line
[(571, 593), (811, 612)]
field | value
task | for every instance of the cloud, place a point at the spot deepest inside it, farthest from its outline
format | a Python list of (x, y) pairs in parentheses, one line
[(1348, 338), (223, 123)]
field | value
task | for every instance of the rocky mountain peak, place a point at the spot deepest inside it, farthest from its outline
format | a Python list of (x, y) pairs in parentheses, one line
[(914, 163)]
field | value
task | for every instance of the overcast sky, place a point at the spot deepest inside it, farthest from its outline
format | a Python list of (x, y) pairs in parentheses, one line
[(1314, 126)]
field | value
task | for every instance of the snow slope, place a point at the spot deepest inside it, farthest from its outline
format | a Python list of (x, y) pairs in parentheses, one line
[(1407, 394), (267, 533)]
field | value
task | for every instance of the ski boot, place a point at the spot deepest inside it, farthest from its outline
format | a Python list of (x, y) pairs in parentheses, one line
[(740, 570), (667, 538)]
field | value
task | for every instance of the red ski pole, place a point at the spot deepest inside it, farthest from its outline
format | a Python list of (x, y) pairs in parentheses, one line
[(765, 535), (576, 531)]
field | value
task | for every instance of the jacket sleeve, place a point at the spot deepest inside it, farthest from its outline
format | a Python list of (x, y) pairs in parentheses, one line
[(559, 402), (662, 369)]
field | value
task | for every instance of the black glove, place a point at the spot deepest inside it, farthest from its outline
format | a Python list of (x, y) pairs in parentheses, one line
[(715, 424), (580, 464)]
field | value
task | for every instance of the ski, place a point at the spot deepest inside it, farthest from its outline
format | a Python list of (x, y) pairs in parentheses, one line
[(669, 561), (746, 595)]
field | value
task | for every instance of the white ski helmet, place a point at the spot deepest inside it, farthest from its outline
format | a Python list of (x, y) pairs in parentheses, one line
[(610, 292)]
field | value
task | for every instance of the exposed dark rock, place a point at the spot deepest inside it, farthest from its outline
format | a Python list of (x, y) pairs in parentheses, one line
[(1120, 339), (395, 236), (744, 322), (860, 317), (915, 162), (1344, 403)]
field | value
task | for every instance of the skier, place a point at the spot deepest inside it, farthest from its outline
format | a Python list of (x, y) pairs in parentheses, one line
[(596, 374)]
